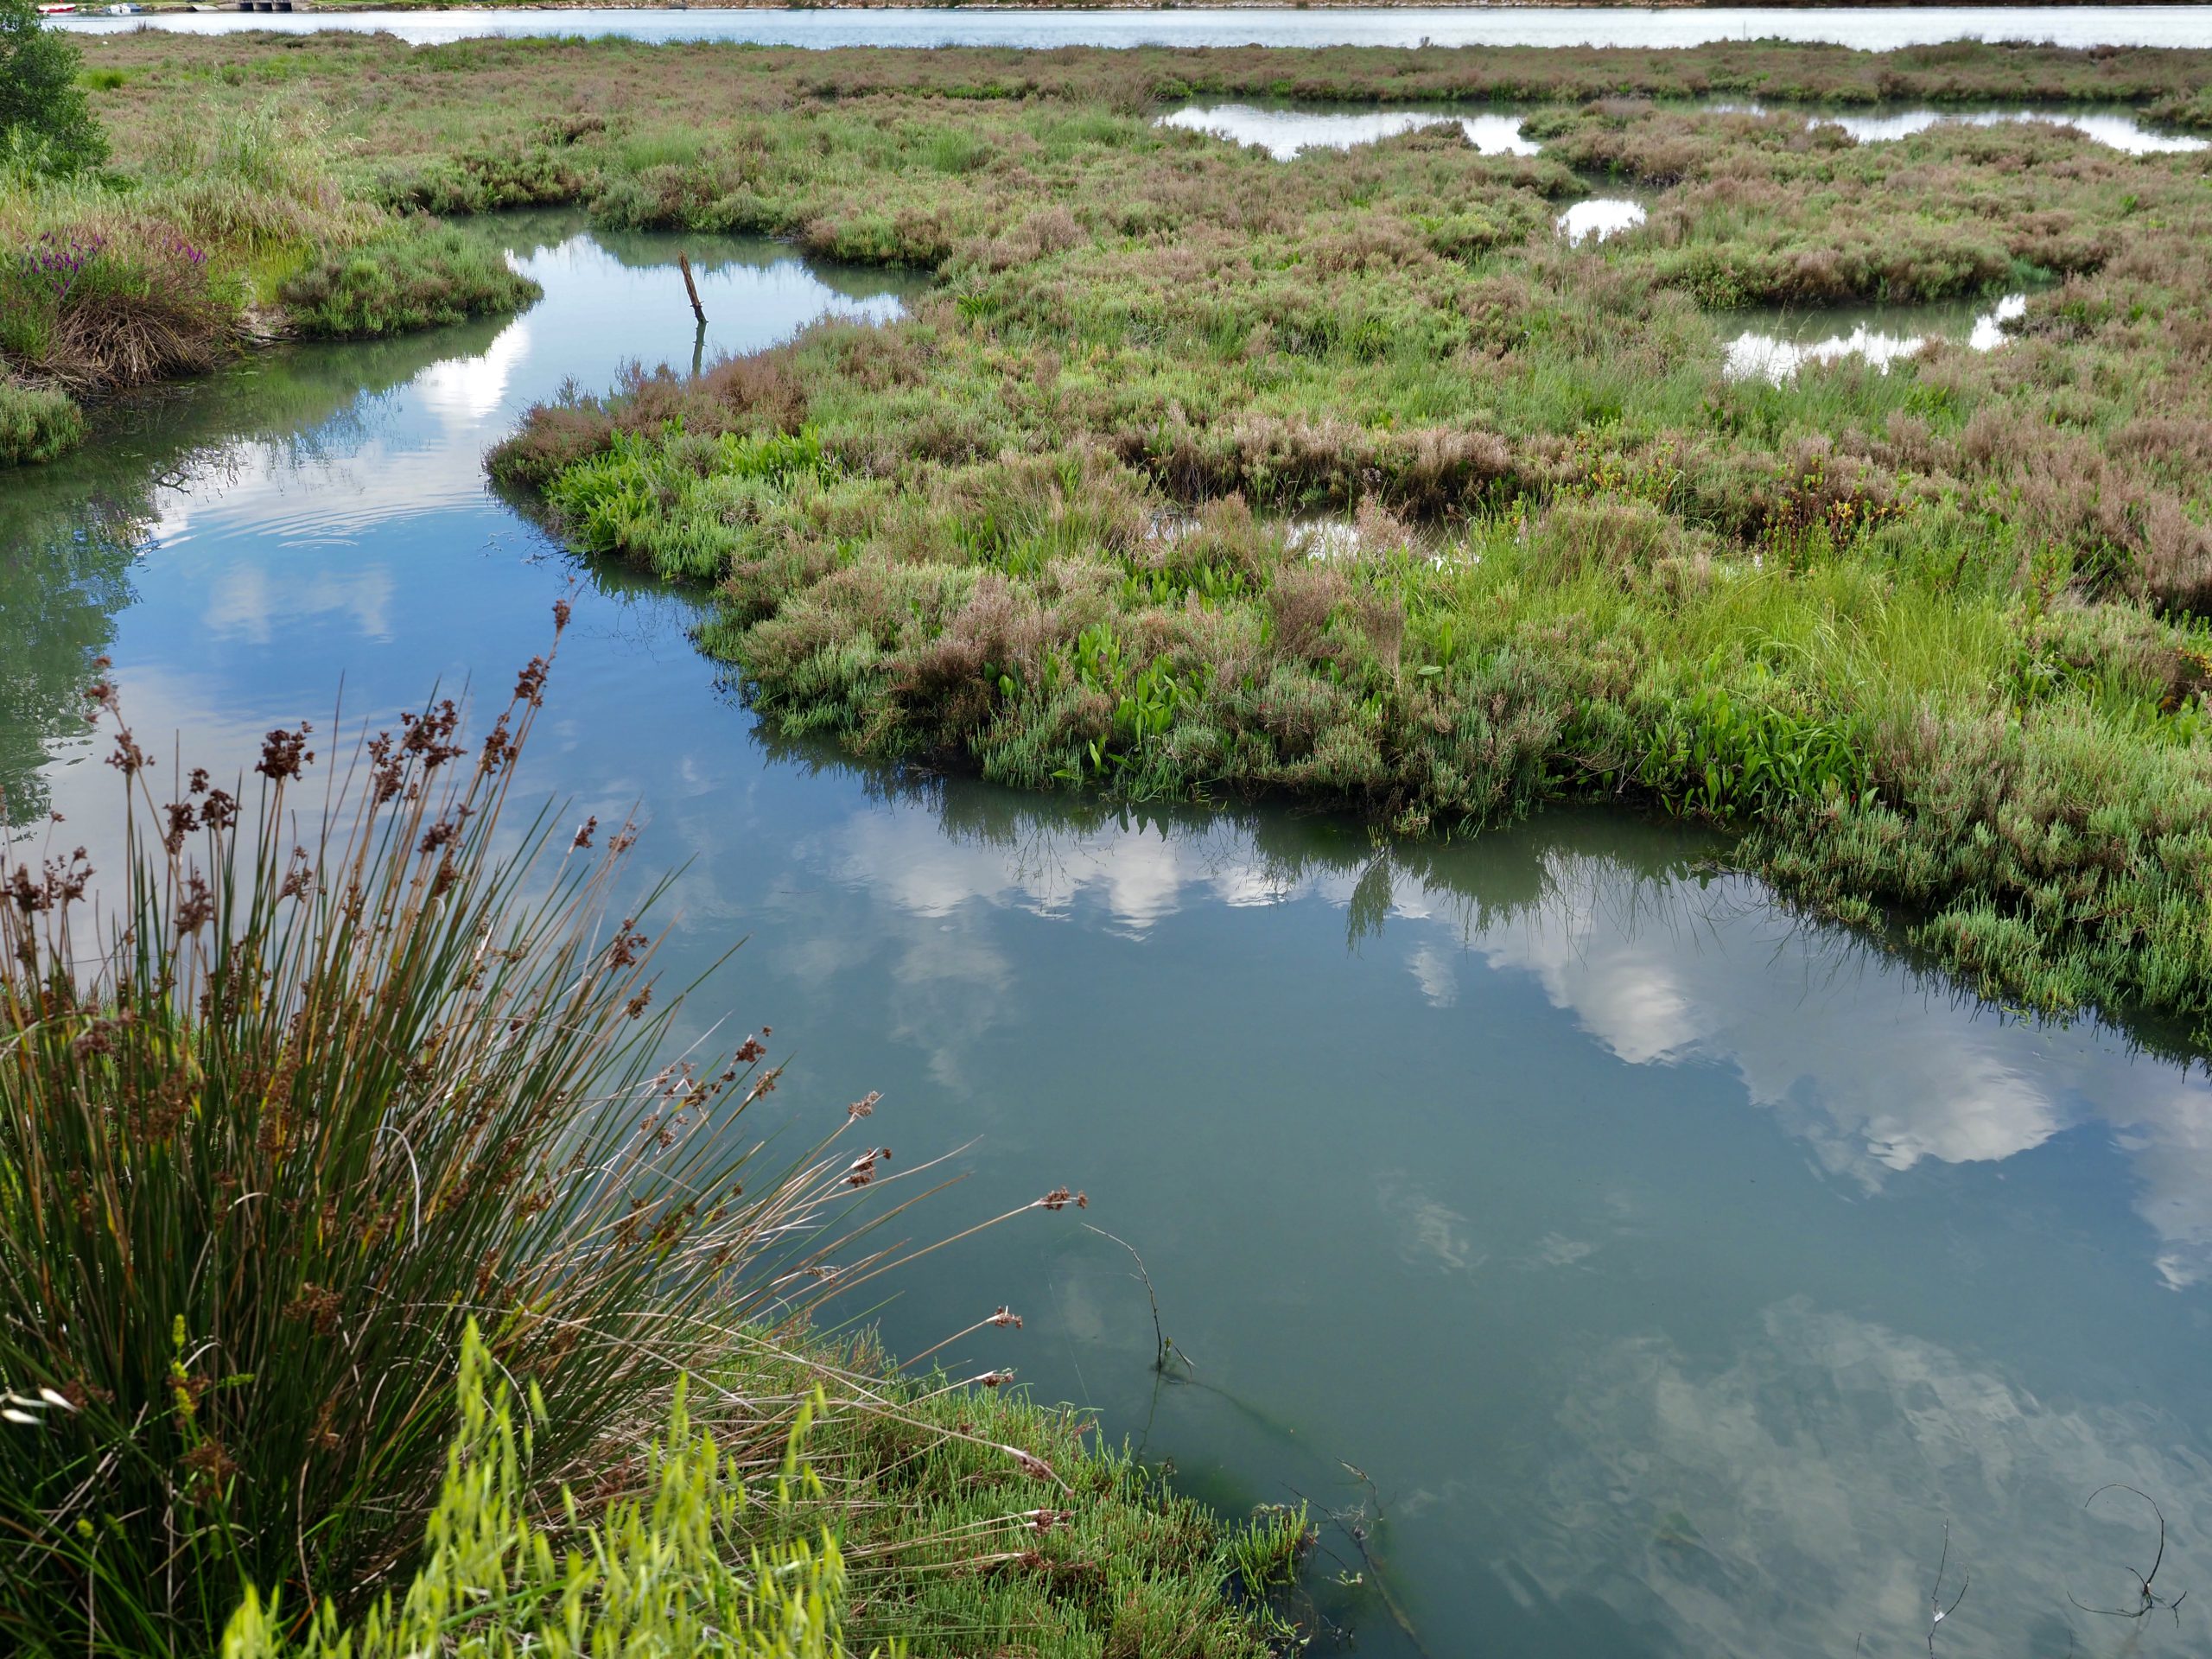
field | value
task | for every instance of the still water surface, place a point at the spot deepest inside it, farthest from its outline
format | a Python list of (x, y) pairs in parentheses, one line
[(2115, 129), (1781, 341), (1284, 130), (1872, 28), (1674, 1268)]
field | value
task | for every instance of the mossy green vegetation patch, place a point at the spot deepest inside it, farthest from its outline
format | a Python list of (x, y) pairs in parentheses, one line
[(415, 276), (37, 423)]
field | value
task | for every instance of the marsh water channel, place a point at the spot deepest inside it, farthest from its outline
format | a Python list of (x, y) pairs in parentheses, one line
[(1676, 1269)]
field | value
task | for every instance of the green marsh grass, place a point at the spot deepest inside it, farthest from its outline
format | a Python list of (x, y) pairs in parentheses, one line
[(37, 423), (230, 225), (407, 278), (1932, 636), (1935, 639), (1590, 564)]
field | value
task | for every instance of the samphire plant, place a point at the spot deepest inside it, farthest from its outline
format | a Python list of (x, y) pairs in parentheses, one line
[(667, 1571)]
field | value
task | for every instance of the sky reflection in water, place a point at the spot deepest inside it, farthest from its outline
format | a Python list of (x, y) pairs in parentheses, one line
[(1285, 130), (1879, 334)]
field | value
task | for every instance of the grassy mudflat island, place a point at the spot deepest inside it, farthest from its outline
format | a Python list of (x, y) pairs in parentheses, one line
[(1352, 476)]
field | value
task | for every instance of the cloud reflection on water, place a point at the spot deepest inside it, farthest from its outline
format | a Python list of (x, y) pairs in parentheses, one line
[(1796, 1492), (1876, 1068)]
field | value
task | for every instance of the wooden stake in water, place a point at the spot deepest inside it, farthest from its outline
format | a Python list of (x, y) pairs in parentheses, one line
[(684, 264)]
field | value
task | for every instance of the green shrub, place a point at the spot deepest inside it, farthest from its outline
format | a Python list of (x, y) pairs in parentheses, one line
[(415, 276), (36, 424), (46, 126), (668, 1571)]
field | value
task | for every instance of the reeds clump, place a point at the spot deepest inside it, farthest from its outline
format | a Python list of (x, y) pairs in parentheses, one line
[(341, 1065)]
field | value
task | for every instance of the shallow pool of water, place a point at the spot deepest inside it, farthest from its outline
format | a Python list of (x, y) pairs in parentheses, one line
[(1676, 1268), (1782, 341), (1870, 28), (1598, 218), (1286, 129), (2117, 129)]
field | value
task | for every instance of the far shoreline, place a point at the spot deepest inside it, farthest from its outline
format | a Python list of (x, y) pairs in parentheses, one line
[(304, 6)]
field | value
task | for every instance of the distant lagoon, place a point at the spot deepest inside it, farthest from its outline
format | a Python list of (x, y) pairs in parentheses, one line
[(1871, 28)]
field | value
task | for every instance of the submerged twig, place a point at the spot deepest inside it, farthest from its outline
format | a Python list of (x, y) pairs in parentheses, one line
[(1166, 1344), (2150, 1600), (1937, 1612), (1352, 1524)]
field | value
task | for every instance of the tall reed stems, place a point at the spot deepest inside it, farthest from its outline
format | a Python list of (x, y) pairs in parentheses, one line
[(349, 1062)]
